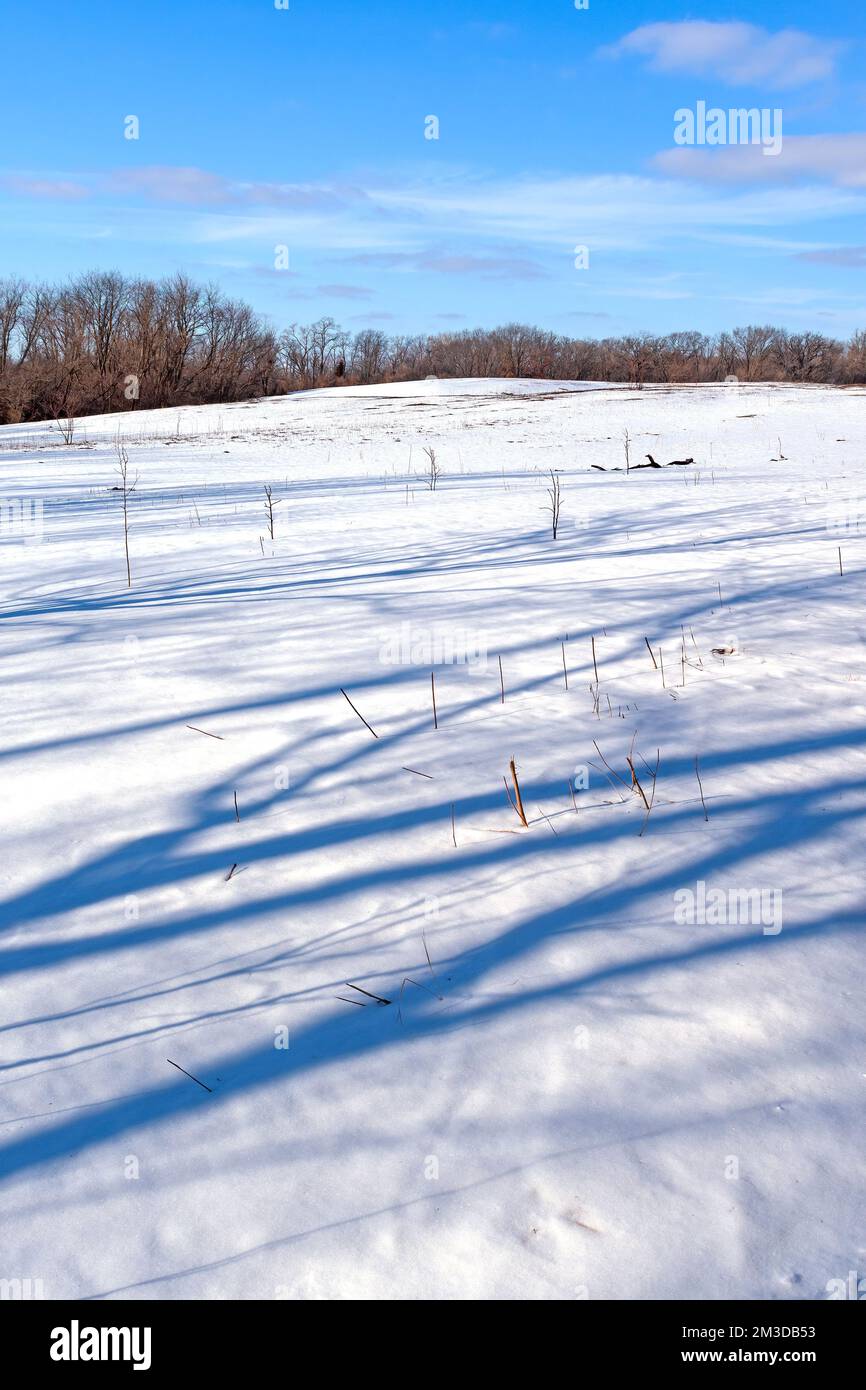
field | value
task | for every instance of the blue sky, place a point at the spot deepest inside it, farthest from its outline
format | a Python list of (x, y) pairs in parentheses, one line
[(305, 128)]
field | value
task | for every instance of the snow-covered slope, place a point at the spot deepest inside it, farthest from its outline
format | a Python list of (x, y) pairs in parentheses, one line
[(589, 1080)]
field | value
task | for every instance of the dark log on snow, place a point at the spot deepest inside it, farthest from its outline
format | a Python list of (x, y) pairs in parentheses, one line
[(674, 463)]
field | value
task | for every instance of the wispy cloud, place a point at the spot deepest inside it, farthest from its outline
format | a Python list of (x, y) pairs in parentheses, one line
[(167, 184), (739, 53), (188, 187), (344, 291), (784, 297), (489, 267), (60, 190), (836, 159), (625, 211), (850, 257), (464, 226)]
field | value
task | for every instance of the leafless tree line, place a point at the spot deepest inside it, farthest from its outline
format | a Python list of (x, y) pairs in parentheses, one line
[(104, 342)]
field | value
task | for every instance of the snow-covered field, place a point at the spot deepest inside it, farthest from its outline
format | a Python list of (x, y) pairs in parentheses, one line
[(590, 1080)]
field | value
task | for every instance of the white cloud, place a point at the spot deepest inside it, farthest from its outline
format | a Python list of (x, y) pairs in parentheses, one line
[(56, 190), (187, 186), (739, 53), (621, 211), (849, 257), (344, 291), (837, 159), (487, 267), (457, 225)]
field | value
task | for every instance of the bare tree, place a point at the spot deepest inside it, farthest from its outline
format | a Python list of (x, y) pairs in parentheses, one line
[(555, 498), (434, 472), (126, 489), (13, 294), (753, 346), (809, 356), (368, 355), (637, 353), (66, 425), (269, 508), (855, 358)]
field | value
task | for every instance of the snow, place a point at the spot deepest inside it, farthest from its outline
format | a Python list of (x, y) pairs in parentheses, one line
[(580, 1095), (478, 389)]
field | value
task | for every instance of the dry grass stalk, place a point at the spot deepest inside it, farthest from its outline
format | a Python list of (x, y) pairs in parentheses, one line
[(700, 788), (517, 802), (636, 783)]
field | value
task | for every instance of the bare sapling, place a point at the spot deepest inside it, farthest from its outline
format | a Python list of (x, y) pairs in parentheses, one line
[(66, 426), (270, 503), (555, 499), (434, 471), (126, 489)]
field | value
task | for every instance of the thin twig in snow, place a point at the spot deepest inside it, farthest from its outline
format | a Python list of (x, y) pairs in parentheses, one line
[(359, 714), (700, 788), (378, 998), (190, 1075)]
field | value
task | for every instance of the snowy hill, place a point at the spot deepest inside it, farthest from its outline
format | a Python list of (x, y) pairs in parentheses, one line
[(428, 1051)]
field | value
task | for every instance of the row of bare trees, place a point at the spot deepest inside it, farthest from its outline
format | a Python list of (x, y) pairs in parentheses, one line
[(323, 354), (104, 342)]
